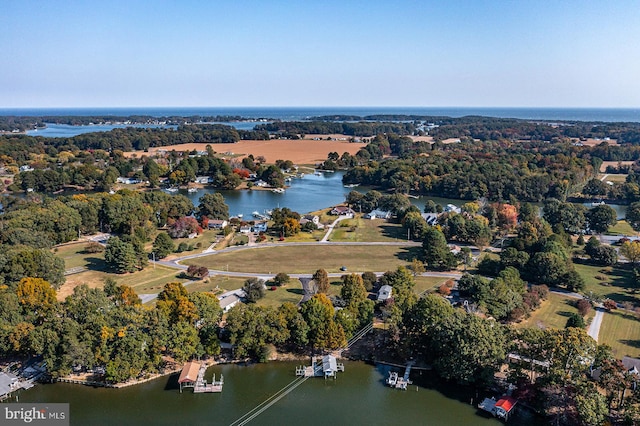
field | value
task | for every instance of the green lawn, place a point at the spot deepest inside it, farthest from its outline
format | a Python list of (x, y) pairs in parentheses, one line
[(613, 282), (359, 229), (621, 228), (425, 284), (621, 331), (292, 292), (217, 284), (553, 313), (74, 255), (308, 259)]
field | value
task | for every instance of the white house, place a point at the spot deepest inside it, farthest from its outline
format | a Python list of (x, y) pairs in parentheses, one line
[(127, 181), (260, 227), (450, 208), (384, 293), (378, 214), (204, 179), (430, 218), (229, 301), (315, 219), (342, 211), (245, 229), (217, 223)]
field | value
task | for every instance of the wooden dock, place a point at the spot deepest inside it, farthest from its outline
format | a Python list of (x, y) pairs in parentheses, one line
[(321, 367), (397, 382)]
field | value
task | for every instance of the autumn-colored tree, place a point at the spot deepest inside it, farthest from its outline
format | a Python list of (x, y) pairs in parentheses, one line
[(321, 279), (183, 227), (631, 250), (173, 301), (126, 296), (506, 216), (36, 295)]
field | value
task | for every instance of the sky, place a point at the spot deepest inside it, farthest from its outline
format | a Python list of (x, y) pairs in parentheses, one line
[(475, 53)]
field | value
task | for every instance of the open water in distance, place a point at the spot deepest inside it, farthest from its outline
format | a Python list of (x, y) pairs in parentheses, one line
[(302, 113), (357, 397), (313, 193)]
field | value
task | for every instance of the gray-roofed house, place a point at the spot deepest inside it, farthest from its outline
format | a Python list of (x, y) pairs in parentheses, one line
[(384, 293)]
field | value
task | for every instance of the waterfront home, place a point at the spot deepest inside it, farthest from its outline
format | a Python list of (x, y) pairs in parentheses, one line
[(259, 227), (204, 179), (341, 211), (378, 214), (261, 183), (245, 229), (430, 218), (384, 293), (451, 208), (217, 223), (127, 181), (631, 365), (311, 218)]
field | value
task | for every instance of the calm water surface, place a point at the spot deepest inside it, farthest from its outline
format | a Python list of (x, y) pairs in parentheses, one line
[(357, 397)]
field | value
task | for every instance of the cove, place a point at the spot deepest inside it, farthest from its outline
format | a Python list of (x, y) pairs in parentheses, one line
[(358, 396)]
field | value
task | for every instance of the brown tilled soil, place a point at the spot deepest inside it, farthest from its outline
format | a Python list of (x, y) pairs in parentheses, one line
[(302, 151)]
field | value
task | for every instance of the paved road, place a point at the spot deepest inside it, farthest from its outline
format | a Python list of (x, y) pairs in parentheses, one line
[(594, 328)]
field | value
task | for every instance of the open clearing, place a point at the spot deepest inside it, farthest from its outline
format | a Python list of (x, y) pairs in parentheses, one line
[(613, 282), (621, 331), (621, 228), (359, 230), (308, 259), (302, 151), (605, 164), (553, 313)]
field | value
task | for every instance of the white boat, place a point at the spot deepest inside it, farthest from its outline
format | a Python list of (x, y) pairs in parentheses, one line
[(392, 380), (278, 190), (256, 214), (352, 185), (192, 190), (597, 203), (172, 189)]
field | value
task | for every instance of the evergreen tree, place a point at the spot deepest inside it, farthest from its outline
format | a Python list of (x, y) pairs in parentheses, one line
[(436, 252)]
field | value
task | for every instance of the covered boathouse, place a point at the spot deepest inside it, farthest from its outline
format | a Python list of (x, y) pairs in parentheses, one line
[(192, 376), (189, 375)]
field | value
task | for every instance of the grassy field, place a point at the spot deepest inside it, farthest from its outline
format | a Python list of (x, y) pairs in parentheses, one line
[(292, 292), (618, 177), (359, 229), (75, 257), (611, 282), (217, 284), (553, 313), (621, 228), (424, 284), (621, 331), (149, 280), (308, 259)]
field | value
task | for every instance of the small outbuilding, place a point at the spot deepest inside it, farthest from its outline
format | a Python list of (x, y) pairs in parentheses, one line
[(189, 375), (384, 293)]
